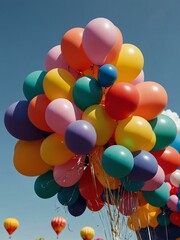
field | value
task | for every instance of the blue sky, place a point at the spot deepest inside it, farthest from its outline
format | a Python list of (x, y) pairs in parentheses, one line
[(28, 30)]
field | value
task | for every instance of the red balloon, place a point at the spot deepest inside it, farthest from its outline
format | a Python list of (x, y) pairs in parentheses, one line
[(121, 100), (89, 187), (168, 159), (174, 190), (58, 224), (95, 204), (175, 218)]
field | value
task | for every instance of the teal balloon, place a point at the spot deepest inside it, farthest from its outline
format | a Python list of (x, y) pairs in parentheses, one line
[(68, 195), (33, 84), (45, 186), (131, 185), (163, 219), (165, 130), (87, 92), (158, 197), (117, 161)]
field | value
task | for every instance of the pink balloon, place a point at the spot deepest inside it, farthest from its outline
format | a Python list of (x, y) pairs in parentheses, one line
[(139, 78), (69, 173), (98, 39), (155, 182), (172, 203), (60, 113), (55, 59)]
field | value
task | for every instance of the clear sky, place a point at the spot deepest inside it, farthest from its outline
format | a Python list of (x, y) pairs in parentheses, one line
[(28, 29)]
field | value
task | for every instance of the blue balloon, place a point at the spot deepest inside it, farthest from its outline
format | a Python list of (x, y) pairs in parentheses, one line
[(68, 195), (78, 208), (107, 75), (171, 230), (176, 143), (145, 166), (178, 206)]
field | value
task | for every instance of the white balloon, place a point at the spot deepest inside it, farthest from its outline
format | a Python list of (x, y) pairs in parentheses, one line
[(175, 178)]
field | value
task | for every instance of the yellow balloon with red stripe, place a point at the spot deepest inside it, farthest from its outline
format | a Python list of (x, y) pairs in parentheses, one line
[(11, 224)]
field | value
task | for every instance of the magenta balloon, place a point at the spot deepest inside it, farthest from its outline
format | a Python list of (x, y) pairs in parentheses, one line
[(69, 173), (172, 203), (99, 37), (60, 113), (139, 78), (18, 124), (55, 59), (156, 181)]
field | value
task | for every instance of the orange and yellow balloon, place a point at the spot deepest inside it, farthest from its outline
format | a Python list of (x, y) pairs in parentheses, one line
[(87, 233), (11, 224), (58, 224)]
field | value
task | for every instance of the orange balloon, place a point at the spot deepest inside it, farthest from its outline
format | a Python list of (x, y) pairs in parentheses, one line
[(11, 224), (72, 50), (58, 224), (36, 112), (27, 159), (153, 100), (116, 48), (92, 72)]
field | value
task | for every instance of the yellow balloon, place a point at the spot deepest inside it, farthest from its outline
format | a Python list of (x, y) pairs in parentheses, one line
[(27, 159), (54, 150), (96, 160), (11, 224), (151, 144), (134, 133), (87, 233), (58, 83), (103, 124), (129, 63)]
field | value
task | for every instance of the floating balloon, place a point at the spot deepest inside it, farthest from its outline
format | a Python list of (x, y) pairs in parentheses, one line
[(172, 203), (99, 37), (60, 113), (86, 92), (95, 204), (68, 195), (58, 224), (107, 75), (33, 84), (131, 185), (78, 208), (175, 178), (11, 224), (87, 233), (80, 137), (121, 100), (176, 143)]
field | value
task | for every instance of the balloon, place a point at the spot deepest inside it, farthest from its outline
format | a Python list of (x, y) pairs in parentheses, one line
[(55, 59), (117, 161), (86, 92), (168, 159), (68, 195), (54, 151), (102, 123), (153, 100), (72, 49), (95, 204), (58, 224), (11, 224), (175, 218), (69, 173), (18, 124), (87, 233), (58, 83), (80, 137), (60, 113), (138, 219), (95, 158), (155, 182), (145, 166), (45, 186), (133, 133), (121, 100), (91, 72), (163, 219), (176, 143), (78, 208), (158, 197), (139, 78), (99, 37), (129, 63), (172, 203), (107, 75), (27, 159), (165, 131), (131, 185), (33, 84), (128, 203), (89, 186), (36, 112), (175, 178)]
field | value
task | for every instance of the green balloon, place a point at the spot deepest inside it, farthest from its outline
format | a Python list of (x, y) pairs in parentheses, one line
[(163, 219), (165, 130), (158, 197), (87, 92), (117, 161), (131, 185), (45, 186), (33, 84)]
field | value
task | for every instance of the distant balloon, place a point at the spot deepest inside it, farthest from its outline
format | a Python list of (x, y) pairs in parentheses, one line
[(58, 224), (11, 224), (87, 233)]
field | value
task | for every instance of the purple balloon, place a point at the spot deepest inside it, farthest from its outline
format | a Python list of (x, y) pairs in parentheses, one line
[(18, 124), (77, 208), (145, 166), (80, 137)]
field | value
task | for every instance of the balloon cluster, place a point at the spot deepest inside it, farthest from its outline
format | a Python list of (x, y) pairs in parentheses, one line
[(93, 130)]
